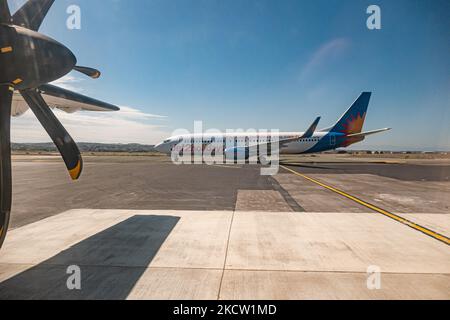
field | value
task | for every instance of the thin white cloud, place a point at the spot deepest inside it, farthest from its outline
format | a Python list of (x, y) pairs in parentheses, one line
[(128, 126), (324, 53), (69, 82), (128, 112)]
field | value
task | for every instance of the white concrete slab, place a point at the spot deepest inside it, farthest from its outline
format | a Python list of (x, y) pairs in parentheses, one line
[(44, 239), (122, 237), (199, 240), (177, 284), (105, 282), (276, 285), (344, 242)]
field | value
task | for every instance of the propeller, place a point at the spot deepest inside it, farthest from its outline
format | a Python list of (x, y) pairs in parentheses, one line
[(13, 61)]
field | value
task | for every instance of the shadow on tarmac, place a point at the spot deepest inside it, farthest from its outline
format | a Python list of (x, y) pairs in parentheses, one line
[(111, 263)]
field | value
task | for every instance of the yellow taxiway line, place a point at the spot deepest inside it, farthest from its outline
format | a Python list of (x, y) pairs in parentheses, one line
[(391, 215)]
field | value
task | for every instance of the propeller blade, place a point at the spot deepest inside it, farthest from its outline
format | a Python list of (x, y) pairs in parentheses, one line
[(5, 15), (32, 13), (63, 141), (6, 93), (90, 72)]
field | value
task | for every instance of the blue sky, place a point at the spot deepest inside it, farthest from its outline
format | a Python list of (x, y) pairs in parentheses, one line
[(259, 64)]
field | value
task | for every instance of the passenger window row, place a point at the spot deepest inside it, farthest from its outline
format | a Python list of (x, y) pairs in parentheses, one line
[(247, 140)]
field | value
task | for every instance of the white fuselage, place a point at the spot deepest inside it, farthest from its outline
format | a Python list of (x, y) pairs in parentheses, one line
[(198, 142)]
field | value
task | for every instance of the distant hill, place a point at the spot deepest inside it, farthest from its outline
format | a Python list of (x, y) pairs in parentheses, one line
[(85, 147)]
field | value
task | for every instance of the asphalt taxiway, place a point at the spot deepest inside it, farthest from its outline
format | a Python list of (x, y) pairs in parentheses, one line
[(143, 228)]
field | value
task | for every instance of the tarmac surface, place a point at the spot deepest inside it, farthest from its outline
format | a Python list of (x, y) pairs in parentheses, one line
[(143, 228)]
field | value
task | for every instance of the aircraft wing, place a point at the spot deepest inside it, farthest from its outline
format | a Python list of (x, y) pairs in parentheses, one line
[(62, 99), (280, 142), (252, 150), (308, 134)]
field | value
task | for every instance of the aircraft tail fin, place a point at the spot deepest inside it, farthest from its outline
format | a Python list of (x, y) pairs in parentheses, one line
[(352, 121), (32, 13)]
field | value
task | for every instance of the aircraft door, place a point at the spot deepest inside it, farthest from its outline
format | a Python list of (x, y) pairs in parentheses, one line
[(332, 140)]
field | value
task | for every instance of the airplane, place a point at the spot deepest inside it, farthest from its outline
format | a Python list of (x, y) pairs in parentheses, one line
[(29, 62), (241, 146)]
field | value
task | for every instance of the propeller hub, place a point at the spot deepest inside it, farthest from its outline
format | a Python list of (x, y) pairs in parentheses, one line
[(32, 59)]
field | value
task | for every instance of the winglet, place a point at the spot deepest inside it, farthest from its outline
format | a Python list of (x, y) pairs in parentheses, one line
[(310, 132)]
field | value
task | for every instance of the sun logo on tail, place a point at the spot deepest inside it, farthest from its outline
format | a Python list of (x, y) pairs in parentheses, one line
[(354, 124)]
